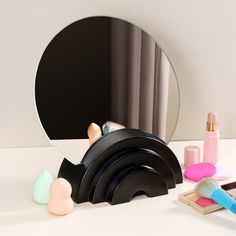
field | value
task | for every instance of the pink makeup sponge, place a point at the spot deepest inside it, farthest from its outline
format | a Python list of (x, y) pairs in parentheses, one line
[(199, 171), (60, 202)]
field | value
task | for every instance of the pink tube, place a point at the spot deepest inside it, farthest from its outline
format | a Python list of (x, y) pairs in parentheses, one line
[(211, 139), (211, 147)]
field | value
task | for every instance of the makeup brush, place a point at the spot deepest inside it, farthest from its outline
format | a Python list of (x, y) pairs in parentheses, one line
[(210, 188)]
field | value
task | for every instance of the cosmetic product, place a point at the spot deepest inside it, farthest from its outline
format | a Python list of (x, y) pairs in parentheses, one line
[(199, 171), (110, 126), (205, 205), (60, 202), (230, 188), (94, 133), (210, 188), (42, 186), (222, 173), (200, 204), (211, 139), (191, 155)]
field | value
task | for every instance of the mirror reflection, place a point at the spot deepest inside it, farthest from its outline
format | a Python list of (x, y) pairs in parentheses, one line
[(102, 68)]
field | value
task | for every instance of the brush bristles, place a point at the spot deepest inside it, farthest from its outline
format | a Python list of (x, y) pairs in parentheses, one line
[(206, 187)]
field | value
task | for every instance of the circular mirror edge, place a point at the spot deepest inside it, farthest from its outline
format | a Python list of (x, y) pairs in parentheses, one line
[(131, 23)]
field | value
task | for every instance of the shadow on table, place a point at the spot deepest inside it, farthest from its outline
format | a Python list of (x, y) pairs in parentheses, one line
[(17, 205), (13, 218), (220, 220)]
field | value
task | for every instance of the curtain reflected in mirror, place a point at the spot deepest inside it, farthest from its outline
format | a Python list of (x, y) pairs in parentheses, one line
[(140, 79), (100, 69)]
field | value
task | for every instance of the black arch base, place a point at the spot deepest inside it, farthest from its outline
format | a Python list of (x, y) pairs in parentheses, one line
[(146, 179), (120, 165)]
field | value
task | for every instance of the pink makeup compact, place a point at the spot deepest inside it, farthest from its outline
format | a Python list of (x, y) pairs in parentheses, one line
[(199, 171), (206, 205)]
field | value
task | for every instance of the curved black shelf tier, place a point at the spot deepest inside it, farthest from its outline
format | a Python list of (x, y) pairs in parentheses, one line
[(124, 160), (74, 174), (147, 181), (115, 152), (116, 142)]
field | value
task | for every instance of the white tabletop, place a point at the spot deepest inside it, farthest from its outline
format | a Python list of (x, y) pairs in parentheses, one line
[(163, 215)]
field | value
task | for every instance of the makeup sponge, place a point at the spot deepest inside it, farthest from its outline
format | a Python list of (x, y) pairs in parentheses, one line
[(42, 186), (222, 173), (60, 202), (94, 133), (111, 126), (199, 171)]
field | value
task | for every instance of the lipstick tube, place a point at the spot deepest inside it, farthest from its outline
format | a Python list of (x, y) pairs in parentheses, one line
[(211, 139)]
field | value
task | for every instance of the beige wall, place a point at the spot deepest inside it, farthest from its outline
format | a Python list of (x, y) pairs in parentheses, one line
[(199, 37)]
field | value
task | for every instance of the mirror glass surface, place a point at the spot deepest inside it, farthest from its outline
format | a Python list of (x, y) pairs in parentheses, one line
[(102, 68)]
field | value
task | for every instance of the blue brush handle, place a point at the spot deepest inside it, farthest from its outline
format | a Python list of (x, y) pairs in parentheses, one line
[(223, 198), (233, 208)]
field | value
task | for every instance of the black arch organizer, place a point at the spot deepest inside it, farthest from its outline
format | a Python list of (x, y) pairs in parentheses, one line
[(120, 165)]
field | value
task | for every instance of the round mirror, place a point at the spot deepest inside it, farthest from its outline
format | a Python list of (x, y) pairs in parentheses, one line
[(102, 68)]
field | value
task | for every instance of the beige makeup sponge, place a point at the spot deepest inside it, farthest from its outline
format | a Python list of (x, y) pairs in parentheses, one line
[(94, 133), (60, 202)]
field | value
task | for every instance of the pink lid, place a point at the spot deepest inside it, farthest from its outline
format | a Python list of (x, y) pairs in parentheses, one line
[(199, 171), (191, 155)]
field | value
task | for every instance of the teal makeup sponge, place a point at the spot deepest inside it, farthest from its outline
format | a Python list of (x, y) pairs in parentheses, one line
[(41, 188)]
